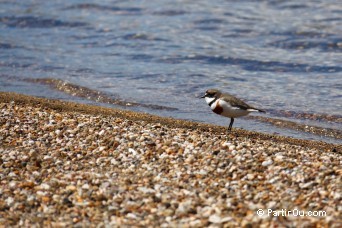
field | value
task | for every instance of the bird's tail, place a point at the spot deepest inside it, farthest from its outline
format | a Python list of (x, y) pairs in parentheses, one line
[(256, 110)]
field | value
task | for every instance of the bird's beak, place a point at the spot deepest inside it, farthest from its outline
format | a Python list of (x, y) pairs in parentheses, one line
[(203, 96)]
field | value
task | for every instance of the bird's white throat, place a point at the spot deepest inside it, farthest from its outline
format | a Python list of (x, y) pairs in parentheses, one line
[(209, 99)]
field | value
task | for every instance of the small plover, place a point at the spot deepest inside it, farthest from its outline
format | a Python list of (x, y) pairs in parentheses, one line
[(227, 105)]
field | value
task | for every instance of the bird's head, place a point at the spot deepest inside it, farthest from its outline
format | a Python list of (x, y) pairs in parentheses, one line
[(211, 93)]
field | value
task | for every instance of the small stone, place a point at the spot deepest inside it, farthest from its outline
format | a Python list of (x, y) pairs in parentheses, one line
[(102, 148), (131, 216), (71, 188), (85, 186), (231, 147), (271, 204), (306, 185), (215, 218), (46, 199), (250, 176), (267, 163), (279, 158), (9, 201), (132, 151), (44, 186), (202, 172)]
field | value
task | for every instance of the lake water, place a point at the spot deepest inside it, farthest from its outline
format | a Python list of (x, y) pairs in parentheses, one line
[(282, 56)]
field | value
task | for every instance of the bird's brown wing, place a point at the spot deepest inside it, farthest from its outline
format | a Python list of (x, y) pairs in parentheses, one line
[(236, 102)]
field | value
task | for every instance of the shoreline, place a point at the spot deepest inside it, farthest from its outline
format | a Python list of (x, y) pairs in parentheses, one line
[(100, 97), (167, 121), (65, 164)]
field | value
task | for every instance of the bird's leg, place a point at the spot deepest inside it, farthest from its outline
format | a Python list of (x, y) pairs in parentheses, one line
[(230, 127), (231, 124)]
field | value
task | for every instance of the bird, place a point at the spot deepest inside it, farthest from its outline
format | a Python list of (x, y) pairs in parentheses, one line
[(227, 105)]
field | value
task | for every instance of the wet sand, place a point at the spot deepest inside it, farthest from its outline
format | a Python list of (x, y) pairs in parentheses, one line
[(66, 164)]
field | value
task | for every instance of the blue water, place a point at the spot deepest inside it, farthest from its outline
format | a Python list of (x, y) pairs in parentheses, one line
[(276, 55)]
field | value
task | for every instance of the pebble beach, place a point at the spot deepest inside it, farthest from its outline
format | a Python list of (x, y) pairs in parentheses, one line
[(64, 164)]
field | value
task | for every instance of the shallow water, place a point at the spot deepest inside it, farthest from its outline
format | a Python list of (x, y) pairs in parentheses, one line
[(277, 55)]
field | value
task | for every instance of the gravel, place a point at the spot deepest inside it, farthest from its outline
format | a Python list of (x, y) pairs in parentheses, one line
[(73, 168)]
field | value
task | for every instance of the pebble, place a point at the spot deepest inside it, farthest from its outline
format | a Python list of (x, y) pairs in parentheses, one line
[(231, 147), (215, 219), (279, 158), (267, 163)]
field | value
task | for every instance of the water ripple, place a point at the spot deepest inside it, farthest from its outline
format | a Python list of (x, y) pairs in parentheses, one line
[(324, 45), (254, 65), (307, 40), (36, 22), (115, 9), (170, 12), (141, 36), (7, 46)]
